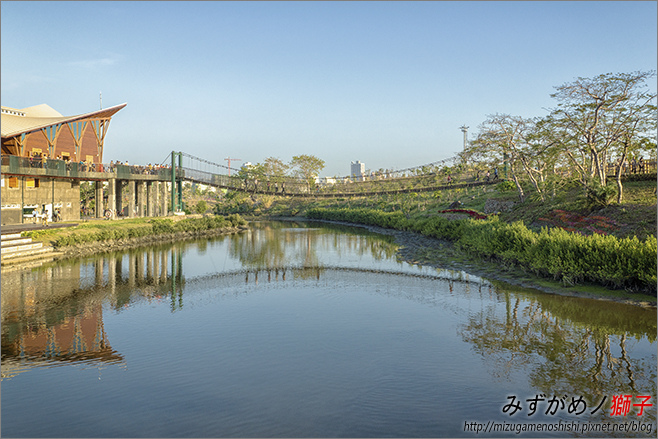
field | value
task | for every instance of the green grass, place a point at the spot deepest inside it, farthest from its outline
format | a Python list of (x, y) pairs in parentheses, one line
[(99, 231)]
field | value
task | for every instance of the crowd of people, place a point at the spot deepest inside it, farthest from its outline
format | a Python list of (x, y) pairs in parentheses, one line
[(42, 160)]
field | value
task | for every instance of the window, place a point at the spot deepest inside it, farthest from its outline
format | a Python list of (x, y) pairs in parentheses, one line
[(12, 182), (32, 183)]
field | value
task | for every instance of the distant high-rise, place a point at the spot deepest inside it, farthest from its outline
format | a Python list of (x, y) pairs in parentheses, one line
[(357, 170)]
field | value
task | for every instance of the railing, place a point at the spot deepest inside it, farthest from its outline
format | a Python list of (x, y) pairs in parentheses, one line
[(80, 170), (378, 184), (296, 187)]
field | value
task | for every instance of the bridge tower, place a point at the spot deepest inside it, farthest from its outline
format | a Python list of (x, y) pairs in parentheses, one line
[(176, 182)]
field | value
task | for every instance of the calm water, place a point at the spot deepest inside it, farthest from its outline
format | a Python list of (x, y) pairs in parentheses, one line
[(303, 330)]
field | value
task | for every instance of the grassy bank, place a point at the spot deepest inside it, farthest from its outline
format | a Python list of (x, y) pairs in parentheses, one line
[(104, 231), (562, 238), (552, 252)]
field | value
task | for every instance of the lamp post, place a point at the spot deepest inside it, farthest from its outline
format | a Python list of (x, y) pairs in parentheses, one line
[(464, 129)]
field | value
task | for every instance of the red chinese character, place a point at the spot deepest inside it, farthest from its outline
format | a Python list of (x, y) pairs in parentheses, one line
[(643, 404), (621, 405)]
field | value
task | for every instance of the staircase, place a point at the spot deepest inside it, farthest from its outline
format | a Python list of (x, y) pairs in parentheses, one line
[(15, 249)]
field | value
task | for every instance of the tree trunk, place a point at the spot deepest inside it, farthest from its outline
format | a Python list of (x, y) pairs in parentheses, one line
[(620, 168), (518, 187)]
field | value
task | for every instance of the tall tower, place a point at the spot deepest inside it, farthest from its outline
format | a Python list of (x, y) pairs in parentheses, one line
[(464, 129)]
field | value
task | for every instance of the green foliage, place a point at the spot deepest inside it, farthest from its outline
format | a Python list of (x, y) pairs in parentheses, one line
[(599, 196), (566, 256), (506, 186), (157, 226), (201, 207)]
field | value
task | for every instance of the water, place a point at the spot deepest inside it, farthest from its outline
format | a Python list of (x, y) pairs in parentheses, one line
[(303, 330)]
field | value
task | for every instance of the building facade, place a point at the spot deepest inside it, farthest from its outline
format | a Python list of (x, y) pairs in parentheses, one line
[(40, 147), (357, 170)]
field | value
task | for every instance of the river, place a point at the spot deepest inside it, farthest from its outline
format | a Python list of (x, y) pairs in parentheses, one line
[(312, 330)]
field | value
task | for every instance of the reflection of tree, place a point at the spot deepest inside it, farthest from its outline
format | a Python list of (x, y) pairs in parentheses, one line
[(268, 245), (589, 357)]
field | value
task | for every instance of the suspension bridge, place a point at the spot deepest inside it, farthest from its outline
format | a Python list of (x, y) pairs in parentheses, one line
[(158, 190), (439, 175)]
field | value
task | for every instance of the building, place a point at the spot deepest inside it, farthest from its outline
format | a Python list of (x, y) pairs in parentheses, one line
[(39, 146), (357, 171), (40, 130)]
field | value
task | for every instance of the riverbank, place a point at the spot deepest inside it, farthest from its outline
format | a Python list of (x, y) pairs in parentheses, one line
[(418, 249), (415, 248), (92, 248), (106, 236)]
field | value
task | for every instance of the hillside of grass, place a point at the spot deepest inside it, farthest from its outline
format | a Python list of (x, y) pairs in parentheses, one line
[(567, 209)]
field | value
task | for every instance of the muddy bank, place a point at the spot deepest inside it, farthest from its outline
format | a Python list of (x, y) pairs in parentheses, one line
[(123, 244), (422, 250)]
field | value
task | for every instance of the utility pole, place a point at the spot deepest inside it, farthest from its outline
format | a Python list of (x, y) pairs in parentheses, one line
[(464, 129), (229, 164)]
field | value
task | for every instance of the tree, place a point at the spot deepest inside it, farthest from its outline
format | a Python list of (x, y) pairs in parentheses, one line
[(594, 115), (252, 175), (513, 141), (307, 168), (274, 167)]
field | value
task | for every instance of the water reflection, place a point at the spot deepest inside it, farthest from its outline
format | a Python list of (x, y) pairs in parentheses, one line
[(276, 244), (584, 347), (56, 315)]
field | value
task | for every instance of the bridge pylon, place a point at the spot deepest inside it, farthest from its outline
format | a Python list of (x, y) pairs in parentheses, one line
[(176, 182)]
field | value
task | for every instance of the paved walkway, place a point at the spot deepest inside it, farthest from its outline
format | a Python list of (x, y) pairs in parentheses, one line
[(18, 228)]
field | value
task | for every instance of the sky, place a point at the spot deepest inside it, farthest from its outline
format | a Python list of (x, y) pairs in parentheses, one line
[(386, 83)]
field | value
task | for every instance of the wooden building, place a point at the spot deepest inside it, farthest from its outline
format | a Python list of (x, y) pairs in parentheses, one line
[(42, 155), (40, 130)]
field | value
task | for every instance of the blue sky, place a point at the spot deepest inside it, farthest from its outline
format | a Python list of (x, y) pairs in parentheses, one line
[(386, 83)]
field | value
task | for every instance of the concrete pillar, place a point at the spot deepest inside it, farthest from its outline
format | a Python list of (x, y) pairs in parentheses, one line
[(164, 210), (111, 194), (149, 198), (119, 196), (99, 199), (131, 198), (155, 189), (141, 202)]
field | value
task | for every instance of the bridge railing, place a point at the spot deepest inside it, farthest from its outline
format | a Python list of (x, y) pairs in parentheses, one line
[(34, 166)]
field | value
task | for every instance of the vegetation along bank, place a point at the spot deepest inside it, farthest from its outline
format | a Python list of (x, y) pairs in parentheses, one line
[(101, 236), (552, 252)]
